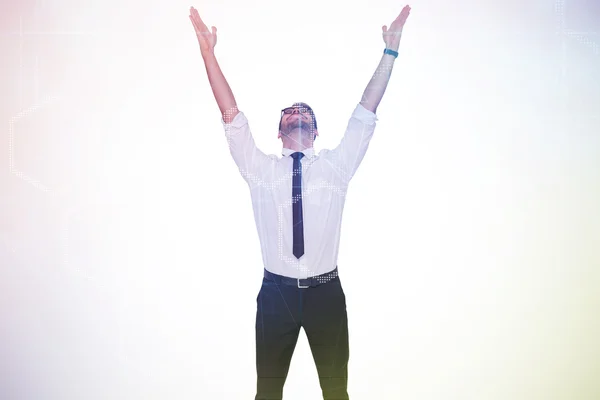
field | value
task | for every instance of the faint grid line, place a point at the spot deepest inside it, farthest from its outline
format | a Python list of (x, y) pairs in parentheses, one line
[(565, 35), (11, 142), (26, 112), (583, 37), (36, 79), (48, 33), (559, 12), (20, 62)]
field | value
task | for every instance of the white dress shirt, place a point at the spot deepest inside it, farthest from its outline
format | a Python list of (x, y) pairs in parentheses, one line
[(325, 178)]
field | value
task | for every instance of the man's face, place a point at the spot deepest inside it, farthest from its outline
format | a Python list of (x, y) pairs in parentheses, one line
[(297, 120)]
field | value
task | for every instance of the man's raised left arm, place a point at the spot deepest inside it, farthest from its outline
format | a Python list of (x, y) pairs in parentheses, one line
[(376, 87), (348, 155)]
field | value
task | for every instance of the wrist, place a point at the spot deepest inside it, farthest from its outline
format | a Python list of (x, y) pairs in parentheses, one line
[(390, 52), (207, 53)]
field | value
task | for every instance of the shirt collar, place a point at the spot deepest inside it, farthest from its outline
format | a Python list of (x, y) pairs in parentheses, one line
[(308, 152)]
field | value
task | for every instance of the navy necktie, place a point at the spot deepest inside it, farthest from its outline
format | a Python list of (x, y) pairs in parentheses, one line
[(298, 249)]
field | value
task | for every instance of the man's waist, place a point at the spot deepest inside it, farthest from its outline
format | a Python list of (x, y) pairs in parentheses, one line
[(308, 280)]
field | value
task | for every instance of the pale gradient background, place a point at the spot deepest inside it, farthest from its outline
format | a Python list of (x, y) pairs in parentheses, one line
[(129, 258)]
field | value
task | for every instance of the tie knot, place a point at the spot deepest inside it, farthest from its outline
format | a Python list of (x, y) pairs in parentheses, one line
[(297, 155)]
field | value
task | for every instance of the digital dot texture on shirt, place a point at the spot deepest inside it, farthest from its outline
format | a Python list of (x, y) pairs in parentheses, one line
[(324, 185)]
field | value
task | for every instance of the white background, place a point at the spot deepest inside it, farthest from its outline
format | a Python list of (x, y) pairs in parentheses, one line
[(469, 241)]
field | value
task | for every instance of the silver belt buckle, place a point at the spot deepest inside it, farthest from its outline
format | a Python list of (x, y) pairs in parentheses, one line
[(302, 287)]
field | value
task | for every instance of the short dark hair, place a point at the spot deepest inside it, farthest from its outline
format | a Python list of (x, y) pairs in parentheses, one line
[(310, 111)]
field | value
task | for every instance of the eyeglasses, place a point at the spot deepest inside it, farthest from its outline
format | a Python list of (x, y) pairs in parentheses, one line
[(292, 110)]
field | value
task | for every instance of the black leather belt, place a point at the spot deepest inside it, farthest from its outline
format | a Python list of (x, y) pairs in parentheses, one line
[(302, 283)]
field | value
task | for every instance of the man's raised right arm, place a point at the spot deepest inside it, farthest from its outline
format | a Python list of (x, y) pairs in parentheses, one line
[(221, 90), (252, 163)]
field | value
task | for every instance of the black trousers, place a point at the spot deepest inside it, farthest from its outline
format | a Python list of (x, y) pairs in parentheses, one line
[(281, 311)]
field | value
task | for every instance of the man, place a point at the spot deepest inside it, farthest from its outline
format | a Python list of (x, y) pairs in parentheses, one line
[(298, 201)]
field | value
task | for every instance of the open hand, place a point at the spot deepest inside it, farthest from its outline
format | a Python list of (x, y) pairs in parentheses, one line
[(392, 36), (206, 39)]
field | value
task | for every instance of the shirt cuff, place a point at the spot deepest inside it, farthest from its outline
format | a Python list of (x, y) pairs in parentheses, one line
[(364, 115)]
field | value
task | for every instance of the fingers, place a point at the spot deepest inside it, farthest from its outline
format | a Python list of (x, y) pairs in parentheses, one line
[(404, 13), (401, 18), (197, 20), (199, 32), (194, 24)]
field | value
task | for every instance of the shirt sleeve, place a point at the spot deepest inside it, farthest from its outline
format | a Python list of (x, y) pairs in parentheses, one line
[(348, 155), (252, 163)]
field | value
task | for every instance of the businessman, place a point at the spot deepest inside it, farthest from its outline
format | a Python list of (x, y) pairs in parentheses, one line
[(298, 201)]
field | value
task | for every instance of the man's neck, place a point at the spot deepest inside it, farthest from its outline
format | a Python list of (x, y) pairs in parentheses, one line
[(298, 140), (296, 146)]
